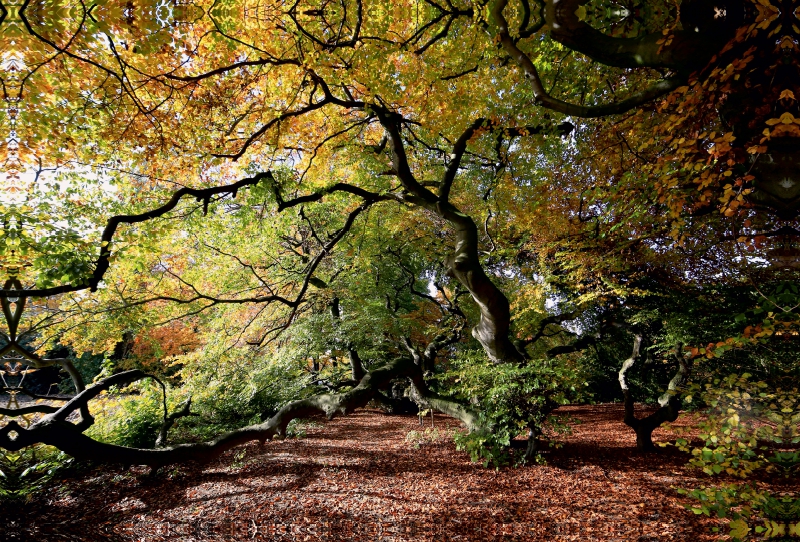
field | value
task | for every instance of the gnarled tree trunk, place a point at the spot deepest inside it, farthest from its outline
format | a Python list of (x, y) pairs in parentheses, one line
[(669, 402)]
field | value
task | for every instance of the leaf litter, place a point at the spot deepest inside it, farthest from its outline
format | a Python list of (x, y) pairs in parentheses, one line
[(358, 478)]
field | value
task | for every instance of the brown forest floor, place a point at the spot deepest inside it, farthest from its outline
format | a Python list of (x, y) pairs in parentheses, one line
[(356, 478)]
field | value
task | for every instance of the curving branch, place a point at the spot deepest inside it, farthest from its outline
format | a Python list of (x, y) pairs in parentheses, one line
[(557, 319), (459, 147), (103, 260), (451, 14), (526, 29), (581, 343), (311, 106), (86, 395), (333, 43), (686, 51), (232, 67), (543, 97), (627, 364), (314, 264), (473, 69), (421, 394), (370, 197), (55, 431), (184, 410), (493, 328)]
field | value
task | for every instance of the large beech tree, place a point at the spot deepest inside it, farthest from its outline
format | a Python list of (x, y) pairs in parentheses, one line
[(246, 167)]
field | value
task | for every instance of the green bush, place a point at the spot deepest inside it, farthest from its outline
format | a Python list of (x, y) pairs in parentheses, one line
[(132, 418), (510, 399)]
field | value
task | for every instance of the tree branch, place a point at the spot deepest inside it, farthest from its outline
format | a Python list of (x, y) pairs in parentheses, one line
[(102, 262), (56, 432), (492, 330), (541, 96)]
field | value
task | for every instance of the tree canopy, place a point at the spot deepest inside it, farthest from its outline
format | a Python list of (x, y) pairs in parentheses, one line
[(277, 209)]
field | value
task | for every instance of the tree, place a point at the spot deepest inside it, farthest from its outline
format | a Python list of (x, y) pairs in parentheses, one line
[(425, 150)]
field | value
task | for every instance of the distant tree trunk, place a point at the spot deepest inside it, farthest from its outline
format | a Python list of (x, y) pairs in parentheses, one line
[(533, 442), (669, 402), (356, 366)]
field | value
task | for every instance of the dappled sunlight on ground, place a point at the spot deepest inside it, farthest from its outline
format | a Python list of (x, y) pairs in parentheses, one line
[(357, 478)]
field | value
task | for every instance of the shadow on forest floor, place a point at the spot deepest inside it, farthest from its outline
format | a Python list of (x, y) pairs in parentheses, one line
[(356, 478)]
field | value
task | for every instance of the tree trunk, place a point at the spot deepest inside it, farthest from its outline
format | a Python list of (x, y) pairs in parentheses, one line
[(492, 330), (644, 437), (669, 403), (533, 443), (356, 367)]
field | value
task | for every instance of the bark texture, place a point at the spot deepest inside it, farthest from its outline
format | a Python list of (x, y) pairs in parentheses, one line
[(669, 402)]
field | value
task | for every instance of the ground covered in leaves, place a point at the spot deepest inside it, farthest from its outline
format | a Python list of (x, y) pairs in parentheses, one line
[(358, 478)]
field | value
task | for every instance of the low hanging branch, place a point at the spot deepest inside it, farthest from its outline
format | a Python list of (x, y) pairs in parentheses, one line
[(103, 260), (424, 397), (430, 400), (56, 431)]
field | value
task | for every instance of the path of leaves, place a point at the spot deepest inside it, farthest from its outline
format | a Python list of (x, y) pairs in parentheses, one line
[(356, 478)]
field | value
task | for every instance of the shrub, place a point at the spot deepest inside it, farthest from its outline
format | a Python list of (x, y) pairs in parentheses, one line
[(132, 418), (511, 399)]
